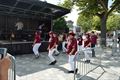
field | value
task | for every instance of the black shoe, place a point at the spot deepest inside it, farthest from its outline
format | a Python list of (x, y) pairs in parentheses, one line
[(70, 71), (53, 63), (93, 56), (76, 70), (87, 61)]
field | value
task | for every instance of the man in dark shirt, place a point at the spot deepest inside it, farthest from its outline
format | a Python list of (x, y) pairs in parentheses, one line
[(80, 42), (93, 43)]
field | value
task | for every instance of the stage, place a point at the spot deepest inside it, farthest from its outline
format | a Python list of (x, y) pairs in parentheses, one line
[(19, 19), (23, 47)]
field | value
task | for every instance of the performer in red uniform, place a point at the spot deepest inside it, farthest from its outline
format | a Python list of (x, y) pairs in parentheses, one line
[(71, 51), (56, 44), (87, 49), (51, 48), (36, 44)]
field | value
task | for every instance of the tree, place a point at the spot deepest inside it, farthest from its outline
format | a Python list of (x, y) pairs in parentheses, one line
[(84, 22), (60, 25), (88, 23), (113, 22), (67, 4), (99, 8), (96, 23)]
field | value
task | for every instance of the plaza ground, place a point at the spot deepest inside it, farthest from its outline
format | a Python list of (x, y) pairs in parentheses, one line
[(29, 68)]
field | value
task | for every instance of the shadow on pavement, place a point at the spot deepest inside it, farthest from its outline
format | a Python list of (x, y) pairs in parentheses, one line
[(27, 64)]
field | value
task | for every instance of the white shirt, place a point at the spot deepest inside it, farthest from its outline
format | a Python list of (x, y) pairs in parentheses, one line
[(19, 25)]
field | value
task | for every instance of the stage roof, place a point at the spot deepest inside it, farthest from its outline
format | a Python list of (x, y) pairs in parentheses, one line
[(31, 9)]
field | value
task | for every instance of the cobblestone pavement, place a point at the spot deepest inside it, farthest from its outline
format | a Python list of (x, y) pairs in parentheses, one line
[(29, 68)]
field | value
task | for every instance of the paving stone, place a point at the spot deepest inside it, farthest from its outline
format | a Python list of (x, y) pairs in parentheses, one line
[(29, 68)]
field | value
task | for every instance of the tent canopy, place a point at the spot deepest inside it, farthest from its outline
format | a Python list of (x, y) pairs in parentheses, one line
[(31, 9)]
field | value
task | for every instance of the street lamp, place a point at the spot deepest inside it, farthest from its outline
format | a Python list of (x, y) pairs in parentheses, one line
[(70, 25)]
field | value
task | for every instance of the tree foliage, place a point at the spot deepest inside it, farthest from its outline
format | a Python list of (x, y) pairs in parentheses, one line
[(67, 4), (113, 22), (96, 23), (60, 24), (98, 8), (84, 22), (88, 23)]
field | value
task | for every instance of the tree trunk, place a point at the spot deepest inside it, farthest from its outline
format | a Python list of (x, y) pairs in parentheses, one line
[(103, 29)]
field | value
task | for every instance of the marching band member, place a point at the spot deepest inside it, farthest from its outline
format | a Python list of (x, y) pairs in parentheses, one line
[(36, 44), (87, 49), (71, 51), (51, 48)]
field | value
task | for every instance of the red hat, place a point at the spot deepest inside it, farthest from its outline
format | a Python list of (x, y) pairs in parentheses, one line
[(51, 32), (72, 33)]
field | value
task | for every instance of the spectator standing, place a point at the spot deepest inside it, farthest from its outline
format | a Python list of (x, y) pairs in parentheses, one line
[(80, 42), (119, 41), (93, 42)]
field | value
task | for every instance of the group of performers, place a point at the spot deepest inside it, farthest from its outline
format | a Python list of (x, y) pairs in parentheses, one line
[(74, 46)]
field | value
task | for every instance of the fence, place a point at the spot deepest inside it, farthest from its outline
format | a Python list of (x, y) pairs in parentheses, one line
[(115, 48), (85, 68), (12, 69), (116, 45)]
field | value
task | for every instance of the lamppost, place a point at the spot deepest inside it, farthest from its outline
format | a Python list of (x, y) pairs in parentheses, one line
[(70, 25), (114, 47)]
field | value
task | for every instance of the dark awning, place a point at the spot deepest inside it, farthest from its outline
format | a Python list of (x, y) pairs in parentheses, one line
[(31, 9)]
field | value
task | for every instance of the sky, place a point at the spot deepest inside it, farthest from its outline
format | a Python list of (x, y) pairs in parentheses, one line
[(70, 15), (73, 12), (53, 1)]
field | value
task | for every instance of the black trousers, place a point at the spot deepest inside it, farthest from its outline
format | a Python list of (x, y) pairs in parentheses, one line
[(93, 51)]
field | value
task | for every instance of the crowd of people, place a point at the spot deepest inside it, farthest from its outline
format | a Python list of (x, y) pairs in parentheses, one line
[(70, 45)]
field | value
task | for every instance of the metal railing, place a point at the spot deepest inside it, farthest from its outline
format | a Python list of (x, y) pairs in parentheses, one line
[(85, 68), (12, 69)]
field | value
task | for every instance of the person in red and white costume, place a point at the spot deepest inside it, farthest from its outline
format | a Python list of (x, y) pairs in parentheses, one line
[(56, 44), (51, 48), (71, 52), (87, 47), (36, 44)]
